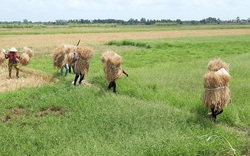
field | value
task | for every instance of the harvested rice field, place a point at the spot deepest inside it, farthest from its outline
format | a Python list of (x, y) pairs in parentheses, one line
[(157, 110), (47, 40), (43, 43)]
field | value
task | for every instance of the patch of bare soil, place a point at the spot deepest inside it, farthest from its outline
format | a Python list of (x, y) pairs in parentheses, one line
[(13, 114), (27, 78), (16, 113), (52, 111)]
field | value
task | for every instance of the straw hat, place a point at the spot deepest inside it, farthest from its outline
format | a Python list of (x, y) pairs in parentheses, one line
[(13, 49)]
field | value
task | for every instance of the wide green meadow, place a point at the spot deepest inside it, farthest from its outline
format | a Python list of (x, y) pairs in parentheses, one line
[(157, 109)]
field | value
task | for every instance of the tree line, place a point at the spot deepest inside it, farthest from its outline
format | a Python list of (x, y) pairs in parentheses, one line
[(131, 21)]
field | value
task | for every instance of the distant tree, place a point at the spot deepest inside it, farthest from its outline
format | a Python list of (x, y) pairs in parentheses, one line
[(25, 21), (238, 19), (179, 21), (143, 20)]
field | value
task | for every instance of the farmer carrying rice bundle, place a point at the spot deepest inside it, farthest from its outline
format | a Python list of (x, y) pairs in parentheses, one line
[(82, 59), (62, 56), (217, 94), (13, 61), (112, 68)]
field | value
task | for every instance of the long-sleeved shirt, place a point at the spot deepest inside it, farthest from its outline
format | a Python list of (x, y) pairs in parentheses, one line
[(12, 56)]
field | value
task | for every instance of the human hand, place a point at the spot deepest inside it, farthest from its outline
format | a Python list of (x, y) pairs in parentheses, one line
[(3, 50)]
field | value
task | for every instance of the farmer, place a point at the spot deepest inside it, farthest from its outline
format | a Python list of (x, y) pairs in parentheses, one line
[(113, 83), (82, 60), (217, 94), (112, 68), (13, 61), (77, 74)]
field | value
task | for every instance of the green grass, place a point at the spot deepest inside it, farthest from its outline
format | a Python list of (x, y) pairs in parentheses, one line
[(157, 110)]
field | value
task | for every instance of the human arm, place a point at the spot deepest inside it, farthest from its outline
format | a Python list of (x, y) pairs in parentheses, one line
[(125, 72)]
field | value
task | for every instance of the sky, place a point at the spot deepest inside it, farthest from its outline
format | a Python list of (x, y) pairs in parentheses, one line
[(52, 10)]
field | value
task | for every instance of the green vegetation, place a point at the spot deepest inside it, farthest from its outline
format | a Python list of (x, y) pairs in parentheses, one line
[(157, 110), (129, 43)]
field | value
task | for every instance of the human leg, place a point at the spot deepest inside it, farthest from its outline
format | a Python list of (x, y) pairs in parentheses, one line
[(76, 77), (61, 72), (17, 70), (114, 87), (213, 115), (67, 69), (81, 78), (10, 66)]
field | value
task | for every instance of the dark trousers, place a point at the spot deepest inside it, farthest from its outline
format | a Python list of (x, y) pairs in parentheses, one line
[(72, 69), (112, 84), (77, 76), (215, 113)]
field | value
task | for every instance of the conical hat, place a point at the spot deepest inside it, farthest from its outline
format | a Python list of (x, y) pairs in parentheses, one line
[(13, 49), (222, 71)]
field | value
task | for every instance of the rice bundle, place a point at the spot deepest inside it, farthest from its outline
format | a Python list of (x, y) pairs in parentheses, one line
[(63, 55), (70, 59), (26, 56), (112, 65), (24, 59), (84, 53), (28, 51), (82, 62), (59, 55), (216, 83), (2, 58), (69, 48), (217, 64)]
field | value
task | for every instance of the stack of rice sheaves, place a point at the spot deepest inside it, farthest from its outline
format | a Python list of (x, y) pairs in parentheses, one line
[(26, 55), (112, 65), (84, 55)]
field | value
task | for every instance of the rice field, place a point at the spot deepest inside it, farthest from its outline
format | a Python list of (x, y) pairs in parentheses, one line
[(45, 42), (48, 40), (157, 110)]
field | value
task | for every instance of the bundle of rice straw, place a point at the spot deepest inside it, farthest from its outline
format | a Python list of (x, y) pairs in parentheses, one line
[(82, 63), (26, 56), (217, 64), (112, 65), (70, 59), (216, 83), (24, 59), (2, 57), (63, 55), (28, 51), (69, 48), (59, 55)]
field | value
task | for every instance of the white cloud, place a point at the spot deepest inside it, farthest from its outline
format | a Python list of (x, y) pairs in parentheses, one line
[(49, 10)]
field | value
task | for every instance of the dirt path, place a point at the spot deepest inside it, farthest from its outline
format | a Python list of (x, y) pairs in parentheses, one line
[(100, 38)]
